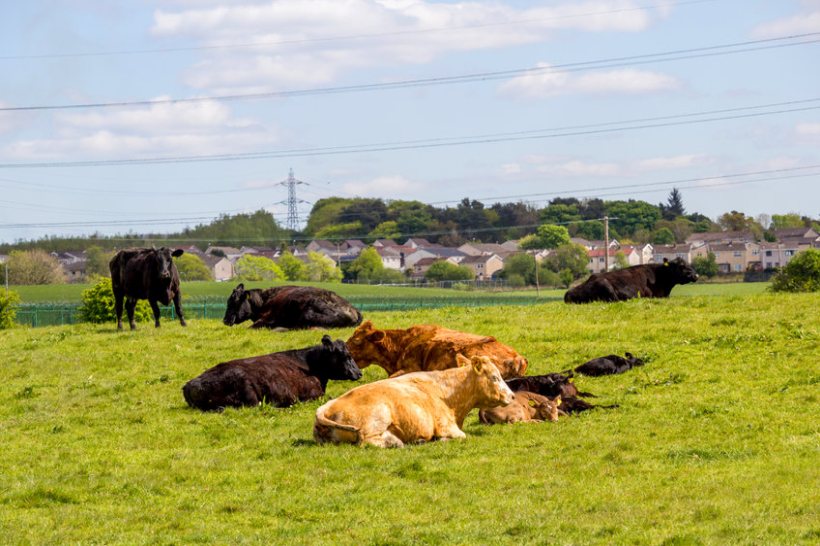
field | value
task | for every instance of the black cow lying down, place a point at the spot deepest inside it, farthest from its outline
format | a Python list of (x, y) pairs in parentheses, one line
[(290, 307), (646, 281), (553, 385), (280, 379), (609, 365)]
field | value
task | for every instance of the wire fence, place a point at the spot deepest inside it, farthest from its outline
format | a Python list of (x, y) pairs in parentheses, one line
[(55, 314)]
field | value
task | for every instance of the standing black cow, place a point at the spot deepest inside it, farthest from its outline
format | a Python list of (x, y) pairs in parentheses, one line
[(280, 379), (145, 273), (608, 365), (646, 281), (290, 307)]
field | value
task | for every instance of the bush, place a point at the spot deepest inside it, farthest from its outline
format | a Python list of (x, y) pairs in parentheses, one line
[(446, 271), (706, 266), (801, 274), (258, 268), (192, 268), (98, 305), (514, 280), (34, 267), (8, 308)]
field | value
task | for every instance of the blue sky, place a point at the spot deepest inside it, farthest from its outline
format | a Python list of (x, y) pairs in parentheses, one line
[(62, 53)]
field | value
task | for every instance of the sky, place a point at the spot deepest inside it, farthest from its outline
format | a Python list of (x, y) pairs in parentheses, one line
[(148, 115)]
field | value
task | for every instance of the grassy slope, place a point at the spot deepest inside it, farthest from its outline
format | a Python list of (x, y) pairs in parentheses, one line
[(221, 290), (715, 440)]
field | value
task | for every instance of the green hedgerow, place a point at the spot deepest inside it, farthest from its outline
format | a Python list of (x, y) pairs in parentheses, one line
[(98, 304), (8, 308), (801, 274)]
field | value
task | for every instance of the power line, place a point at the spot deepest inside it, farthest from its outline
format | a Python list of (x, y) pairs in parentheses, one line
[(614, 62), (581, 130), (344, 37)]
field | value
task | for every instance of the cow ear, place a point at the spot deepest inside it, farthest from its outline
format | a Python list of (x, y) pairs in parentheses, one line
[(240, 287), (478, 365), (557, 401), (177, 253), (376, 336), (462, 360), (533, 403), (327, 341)]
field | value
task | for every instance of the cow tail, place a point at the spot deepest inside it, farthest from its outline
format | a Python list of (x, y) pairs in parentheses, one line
[(320, 428)]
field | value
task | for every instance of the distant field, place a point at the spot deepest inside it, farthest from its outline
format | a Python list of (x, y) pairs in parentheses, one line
[(221, 290), (715, 441)]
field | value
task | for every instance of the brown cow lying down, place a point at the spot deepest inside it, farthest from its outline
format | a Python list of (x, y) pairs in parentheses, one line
[(415, 407), (527, 407), (427, 347), (280, 379), (609, 365), (646, 281), (290, 307), (552, 385)]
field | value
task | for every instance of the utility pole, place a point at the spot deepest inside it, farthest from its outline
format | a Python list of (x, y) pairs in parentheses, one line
[(292, 223), (606, 243), (537, 282)]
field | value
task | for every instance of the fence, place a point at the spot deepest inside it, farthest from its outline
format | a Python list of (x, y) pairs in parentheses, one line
[(54, 314)]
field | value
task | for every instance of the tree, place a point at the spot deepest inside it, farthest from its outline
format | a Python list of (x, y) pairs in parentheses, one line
[(560, 213), (385, 230), (674, 205), (571, 258), (519, 266), (737, 221), (34, 267), (620, 260), (801, 274), (546, 236), (592, 230), (786, 221), (340, 231), (320, 268), (293, 268), (258, 268), (663, 236), (8, 308), (706, 266), (366, 265), (96, 263), (629, 216), (446, 271), (98, 305), (192, 268)]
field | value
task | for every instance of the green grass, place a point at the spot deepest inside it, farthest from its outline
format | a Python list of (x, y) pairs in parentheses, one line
[(221, 291), (716, 440)]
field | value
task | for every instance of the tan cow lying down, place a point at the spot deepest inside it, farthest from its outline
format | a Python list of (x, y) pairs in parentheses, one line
[(528, 407), (415, 407), (427, 347)]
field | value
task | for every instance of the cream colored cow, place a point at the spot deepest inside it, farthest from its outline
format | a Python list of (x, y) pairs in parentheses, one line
[(415, 407)]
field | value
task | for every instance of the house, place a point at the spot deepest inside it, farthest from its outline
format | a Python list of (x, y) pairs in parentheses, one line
[(391, 257), (383, 243), (75, 271), (221, 267), (417, 242), (511, 245), (722, 237), (614, 244), (774, 255), (670, 252), (484, 266), (632, 255), (420, 267), (71, 257), (796, 233), (353, 247), (477, 249), (229, 252), (736, 257), (323, 246), (646, 252)]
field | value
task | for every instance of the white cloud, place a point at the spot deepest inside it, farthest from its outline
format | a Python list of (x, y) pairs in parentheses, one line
[(797, 24), (198, 128), (316, 41), (577, 167), (383, 186), (510, 168), (672, 162), (808, 129), (549, 83)]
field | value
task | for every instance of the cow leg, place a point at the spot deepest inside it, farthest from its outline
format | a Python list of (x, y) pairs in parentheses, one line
[(118, 297), (130, 307), (386, 439), (178, 308), (155, 309), (452, 433)]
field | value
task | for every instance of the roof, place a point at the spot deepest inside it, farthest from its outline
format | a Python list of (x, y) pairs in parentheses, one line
[(418, 241), (385, 242), (801, 232), (323, 243), (225, 249), (722, 236), (427, 261), (484, 258), (725, 247), (355, 243), (445, 251), (672, 249)]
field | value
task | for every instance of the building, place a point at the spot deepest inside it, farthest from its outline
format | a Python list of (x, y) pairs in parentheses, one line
[(484, 266), (221, 267), (736, 257), (477, 249), (722, 237)]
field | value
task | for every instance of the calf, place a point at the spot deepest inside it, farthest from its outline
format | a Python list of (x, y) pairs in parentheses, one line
[(415, 407), (608, 365), (647, 281), (553, 385), (290, 307), (280, 379), (145, 273), (428, 347), (527, 407)]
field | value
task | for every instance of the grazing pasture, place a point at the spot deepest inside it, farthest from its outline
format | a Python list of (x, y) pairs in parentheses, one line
[(715, 440)]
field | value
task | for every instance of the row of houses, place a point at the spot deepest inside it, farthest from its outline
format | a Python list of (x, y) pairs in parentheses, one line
[(734, 252)]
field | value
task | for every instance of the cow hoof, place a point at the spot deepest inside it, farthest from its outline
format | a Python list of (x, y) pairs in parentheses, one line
[(183, 323)]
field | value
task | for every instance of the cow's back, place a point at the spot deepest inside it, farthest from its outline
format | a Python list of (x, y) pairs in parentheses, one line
[(305, 306)]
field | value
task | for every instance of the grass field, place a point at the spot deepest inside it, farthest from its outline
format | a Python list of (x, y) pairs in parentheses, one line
[(716, 440), (221, 291)]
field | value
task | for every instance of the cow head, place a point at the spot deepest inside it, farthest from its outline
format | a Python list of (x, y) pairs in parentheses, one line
[(164, 263), (633, 360), (546, 410), (491, 389), (332, 360), (680, 271), (239, 306), (369, 345)]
